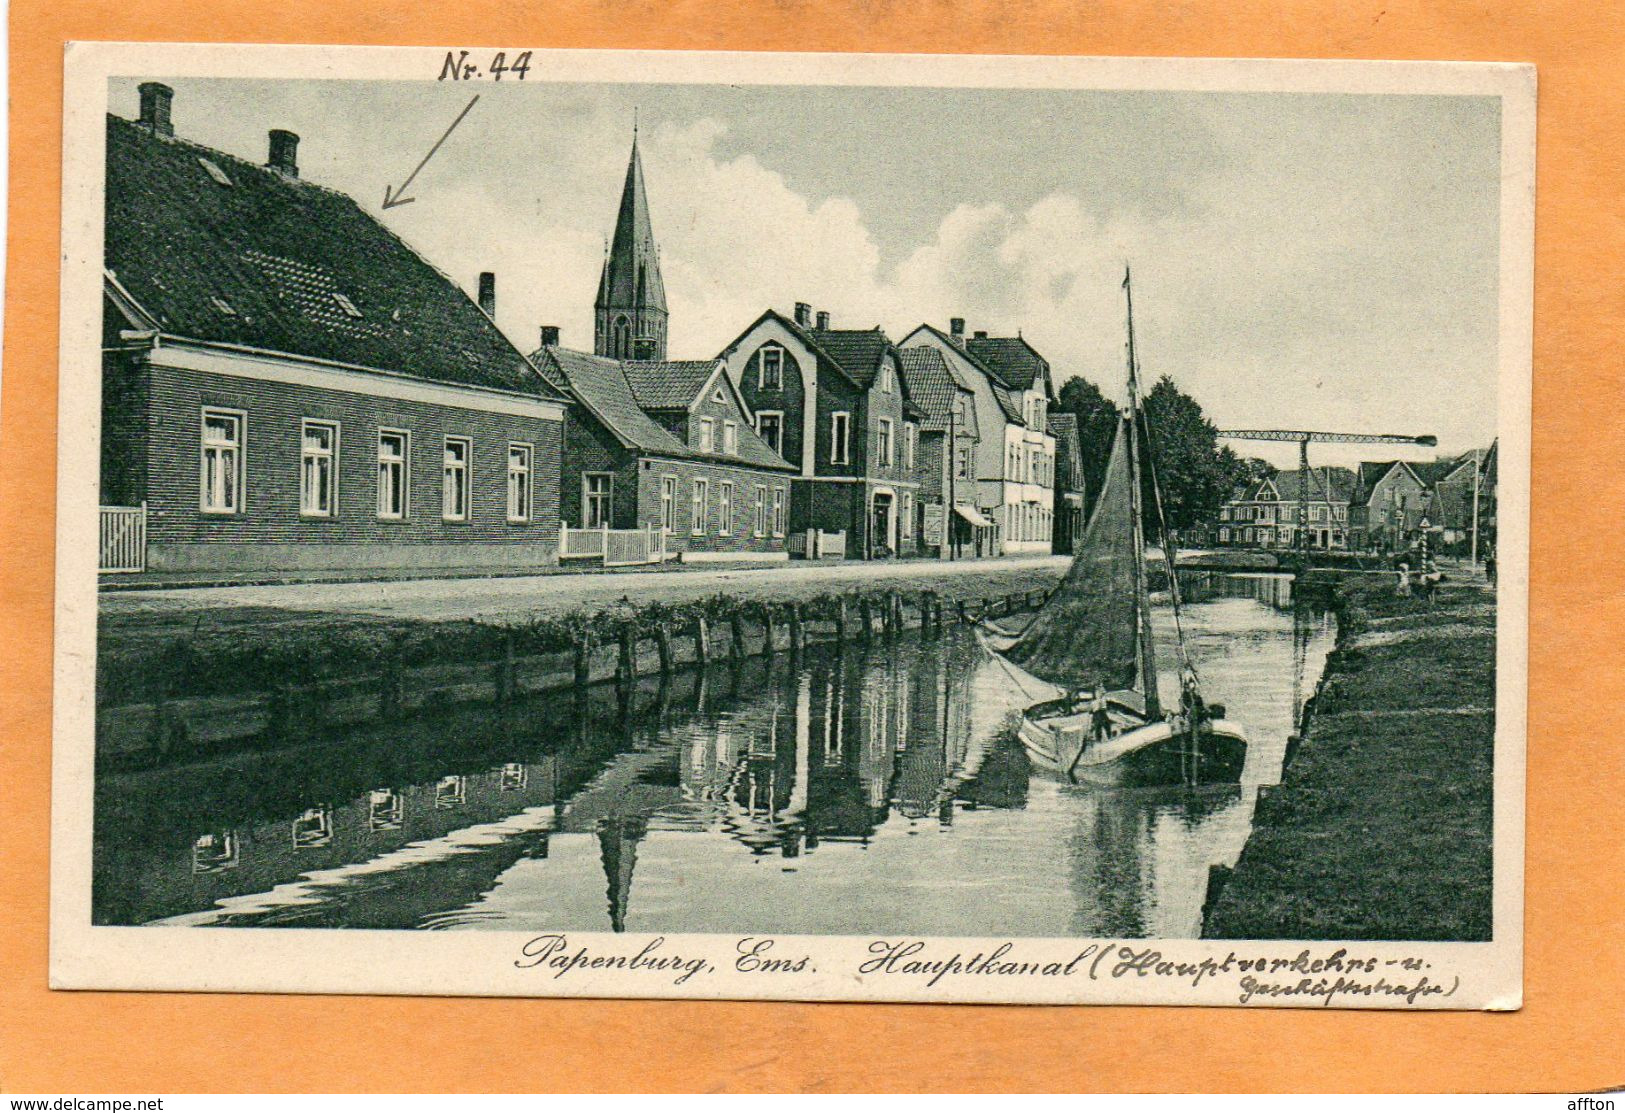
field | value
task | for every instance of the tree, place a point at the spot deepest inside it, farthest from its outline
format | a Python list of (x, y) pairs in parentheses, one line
[(1194, 473), (1097, 426)]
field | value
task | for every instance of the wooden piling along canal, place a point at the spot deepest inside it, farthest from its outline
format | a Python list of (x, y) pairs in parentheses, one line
[(290, 692)]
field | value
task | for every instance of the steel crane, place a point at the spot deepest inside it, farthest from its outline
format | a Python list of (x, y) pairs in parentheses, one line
[(1303, 437)]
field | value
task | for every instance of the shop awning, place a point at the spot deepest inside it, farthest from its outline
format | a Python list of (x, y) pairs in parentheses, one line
[(972, 515)]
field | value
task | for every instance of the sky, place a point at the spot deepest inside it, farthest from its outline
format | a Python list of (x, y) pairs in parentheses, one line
[(1312, 261)]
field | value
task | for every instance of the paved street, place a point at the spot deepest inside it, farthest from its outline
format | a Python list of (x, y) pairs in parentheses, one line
[(513, 597)]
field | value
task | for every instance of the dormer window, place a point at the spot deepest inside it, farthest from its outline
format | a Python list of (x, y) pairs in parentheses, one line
[(770, 373)]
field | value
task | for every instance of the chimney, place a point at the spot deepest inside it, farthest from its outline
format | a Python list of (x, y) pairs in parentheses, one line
[(550, 336), (155, 100), (488, 293), (823, 319), (803, 314), (956, 328), (284, 152), (981, 334)]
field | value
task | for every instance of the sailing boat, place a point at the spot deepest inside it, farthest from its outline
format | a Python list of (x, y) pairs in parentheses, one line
[(1095, 630)]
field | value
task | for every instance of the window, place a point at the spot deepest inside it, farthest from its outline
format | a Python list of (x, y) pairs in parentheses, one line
[(707, 441), (905, 520), (770, 427), (962, 467), (725, 509), (888, 380), (394, 473), (346, 304), (771, 373), (911, 436), (1224, 536), (839, 435), (699, 496), (883, 442), (668, 503), (759, 513), (730, 438), (454, 479), (596, 499), (318, 468), (221, 474), (778, 512), (519, 456), (621, 338)]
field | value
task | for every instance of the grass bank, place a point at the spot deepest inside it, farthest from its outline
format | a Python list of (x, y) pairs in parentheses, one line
[(1382, 826)]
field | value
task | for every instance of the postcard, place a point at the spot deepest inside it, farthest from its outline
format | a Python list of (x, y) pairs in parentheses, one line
[(793, 526)]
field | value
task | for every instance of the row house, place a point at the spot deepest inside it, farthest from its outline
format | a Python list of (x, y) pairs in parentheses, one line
[(666, 447), (1397, 503), (834, 403), (950, 524), (288, 387), (1023, 381), (1266, 512), (1015, 452), (1070, 488)]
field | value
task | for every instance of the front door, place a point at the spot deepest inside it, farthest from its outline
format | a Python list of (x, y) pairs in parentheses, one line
[(880, 528)]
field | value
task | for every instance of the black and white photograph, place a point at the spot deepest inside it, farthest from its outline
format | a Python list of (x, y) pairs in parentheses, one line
[(841, 527)]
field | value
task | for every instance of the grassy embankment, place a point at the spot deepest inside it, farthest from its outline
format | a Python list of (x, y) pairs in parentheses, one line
[(1382, 826)]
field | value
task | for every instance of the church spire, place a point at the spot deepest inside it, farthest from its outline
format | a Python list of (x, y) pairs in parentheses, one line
[(631, 303)]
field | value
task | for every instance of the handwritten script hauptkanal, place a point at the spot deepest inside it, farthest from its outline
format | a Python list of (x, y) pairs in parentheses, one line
[(1308, 975)]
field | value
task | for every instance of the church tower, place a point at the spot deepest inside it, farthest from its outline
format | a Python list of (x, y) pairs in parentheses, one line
[(630, 317)]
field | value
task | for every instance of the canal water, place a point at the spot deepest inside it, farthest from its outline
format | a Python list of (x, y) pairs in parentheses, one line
[(877, 790)]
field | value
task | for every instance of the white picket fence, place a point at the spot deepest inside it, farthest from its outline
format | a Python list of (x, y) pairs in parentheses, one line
[(617, 548), (123, 539)]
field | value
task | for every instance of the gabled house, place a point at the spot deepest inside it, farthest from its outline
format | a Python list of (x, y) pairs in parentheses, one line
[(834, 403), (1389, 504), (1070, 487), (667, 446), (1266, 512), (288, 387), (1014, 460), (950, 524)]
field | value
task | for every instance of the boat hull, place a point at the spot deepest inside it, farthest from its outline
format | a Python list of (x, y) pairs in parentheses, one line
[(1139, 754)]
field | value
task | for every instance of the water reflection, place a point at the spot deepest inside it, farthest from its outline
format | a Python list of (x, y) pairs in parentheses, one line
[(848, 793)]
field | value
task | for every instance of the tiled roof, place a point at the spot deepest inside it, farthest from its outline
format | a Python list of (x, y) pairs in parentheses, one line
[(858, 351), (1007, 402), (1011, 358), (930, 384), (601, 385), (668, 384), (1289, 484), (276, 263)]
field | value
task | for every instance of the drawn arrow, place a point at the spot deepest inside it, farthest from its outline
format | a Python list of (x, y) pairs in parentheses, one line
[(393, 197)]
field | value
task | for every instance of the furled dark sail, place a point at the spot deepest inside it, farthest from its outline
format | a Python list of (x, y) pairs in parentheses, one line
[(1087, 632)]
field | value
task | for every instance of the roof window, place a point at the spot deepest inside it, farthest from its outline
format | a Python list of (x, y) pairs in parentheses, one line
[(224, 306), (214, 171), (346, 304)]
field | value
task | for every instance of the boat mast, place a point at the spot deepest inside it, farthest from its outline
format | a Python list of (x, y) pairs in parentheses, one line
[(1142, 591)]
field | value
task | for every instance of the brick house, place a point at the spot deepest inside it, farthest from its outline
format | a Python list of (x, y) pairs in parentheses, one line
[(833, 402), (1265, 513), (667, 445), (1389, 503), (1070, 487), (287, 386)]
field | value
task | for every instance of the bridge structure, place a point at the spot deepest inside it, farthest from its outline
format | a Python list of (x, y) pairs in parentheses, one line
[(1303, 437)]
